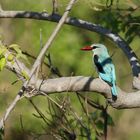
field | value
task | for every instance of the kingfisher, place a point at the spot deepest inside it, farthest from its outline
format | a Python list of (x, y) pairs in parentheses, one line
[(104, 65)]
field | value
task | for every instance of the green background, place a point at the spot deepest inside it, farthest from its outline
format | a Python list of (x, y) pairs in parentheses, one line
[(67, 57)]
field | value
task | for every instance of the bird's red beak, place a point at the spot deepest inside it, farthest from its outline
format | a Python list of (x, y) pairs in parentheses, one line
[(87, 48)]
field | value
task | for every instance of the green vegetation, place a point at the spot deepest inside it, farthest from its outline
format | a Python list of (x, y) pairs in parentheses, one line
[(122, 17)]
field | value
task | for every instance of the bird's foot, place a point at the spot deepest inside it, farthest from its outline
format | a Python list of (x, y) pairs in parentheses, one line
[(112, 99)]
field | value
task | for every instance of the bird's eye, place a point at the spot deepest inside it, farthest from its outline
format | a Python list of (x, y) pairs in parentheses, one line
[(95, 47)]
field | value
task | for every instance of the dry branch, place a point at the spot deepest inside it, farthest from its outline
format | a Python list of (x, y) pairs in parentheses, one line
[(36, 64), (133, 60), (77, 83), (82, 84)]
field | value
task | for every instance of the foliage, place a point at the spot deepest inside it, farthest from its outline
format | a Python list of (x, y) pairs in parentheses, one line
[(10, 54), (62, 121), (121, 17)]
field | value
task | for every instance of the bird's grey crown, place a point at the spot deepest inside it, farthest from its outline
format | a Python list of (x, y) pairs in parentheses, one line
[(99, 49), (98, 45)]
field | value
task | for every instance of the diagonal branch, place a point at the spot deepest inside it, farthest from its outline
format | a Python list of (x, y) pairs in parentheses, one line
[(52, 37), (133, 60), (81, 83), (77, 83), (37, 64)]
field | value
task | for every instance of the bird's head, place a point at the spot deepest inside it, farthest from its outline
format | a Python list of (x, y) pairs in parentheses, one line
[(96, 48)]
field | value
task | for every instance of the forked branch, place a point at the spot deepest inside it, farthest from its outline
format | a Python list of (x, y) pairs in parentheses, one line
[(133, 60), (36, 64)]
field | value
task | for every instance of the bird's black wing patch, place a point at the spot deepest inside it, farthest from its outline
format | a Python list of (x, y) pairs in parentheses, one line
[(107, 61), (98, 64), (109, 83)]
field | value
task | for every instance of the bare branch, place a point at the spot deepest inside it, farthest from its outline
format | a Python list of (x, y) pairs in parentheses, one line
[(37, 63), (52, 37), (92, 103), (55, 6), (77, 83), (133, 60), (81, 83), (8, 110)]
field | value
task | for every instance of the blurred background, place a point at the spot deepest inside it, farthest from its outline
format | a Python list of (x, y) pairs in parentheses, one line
[(122, 17)]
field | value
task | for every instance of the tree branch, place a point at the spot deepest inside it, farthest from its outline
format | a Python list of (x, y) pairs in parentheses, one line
[(37, 64), (77, 83), (8, 110), (82, 84), (39, 59), (133, 60)]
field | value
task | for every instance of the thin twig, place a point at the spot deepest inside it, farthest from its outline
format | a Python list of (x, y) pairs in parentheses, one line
[(49, 42), (41, 41), (82, 124), (38, 111), (53, 69), (37, 62), (55, 6), (21, 123), (105, 115), (52, 37), (81, 103), (8, 110), (84, 25), (52, 100), (92, 103)]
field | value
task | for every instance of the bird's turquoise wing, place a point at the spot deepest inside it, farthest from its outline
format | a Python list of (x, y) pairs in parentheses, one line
[(109, 73), (109, 77), (105, 69)]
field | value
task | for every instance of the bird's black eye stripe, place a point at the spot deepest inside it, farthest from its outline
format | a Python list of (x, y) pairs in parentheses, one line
[(94, 47)]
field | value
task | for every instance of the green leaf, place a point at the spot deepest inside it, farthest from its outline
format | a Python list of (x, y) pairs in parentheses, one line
[(16, 48), (19, 52), (25, 75), (100, 124), (110, 120), (2, 63), (10, 57)]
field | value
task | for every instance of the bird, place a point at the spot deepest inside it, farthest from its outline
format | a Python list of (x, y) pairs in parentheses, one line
[(104, 65)]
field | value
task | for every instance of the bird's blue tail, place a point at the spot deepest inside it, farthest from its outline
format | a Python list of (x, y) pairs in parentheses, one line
[(114, 90)]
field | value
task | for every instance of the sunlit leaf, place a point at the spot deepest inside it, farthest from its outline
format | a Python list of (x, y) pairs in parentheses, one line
[(2, 63), (16, 48), (19, 52), (25, 75), (10, 57)]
